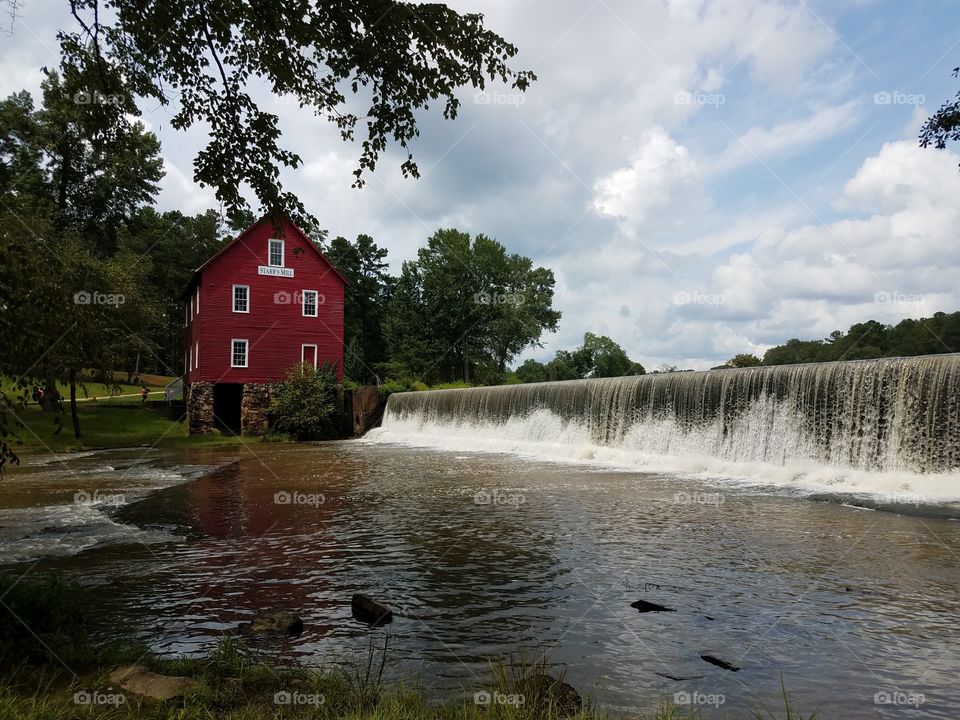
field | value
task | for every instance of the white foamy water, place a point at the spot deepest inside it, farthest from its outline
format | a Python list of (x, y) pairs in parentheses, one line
[(65, 530), (883, 428), (59, 506)]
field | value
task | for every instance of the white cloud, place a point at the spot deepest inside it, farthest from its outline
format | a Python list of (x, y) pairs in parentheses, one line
[(179, 191), (762, 144), (661, 177)]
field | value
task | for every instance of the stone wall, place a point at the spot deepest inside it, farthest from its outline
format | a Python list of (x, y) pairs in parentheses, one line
[(253, 408), (199, 407), (365, 409)]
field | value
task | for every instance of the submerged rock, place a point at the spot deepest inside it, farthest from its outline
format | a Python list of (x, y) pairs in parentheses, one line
[(273, 622), (369, 611), (644, 606), (668, 676), (719, 663), (139, 680)]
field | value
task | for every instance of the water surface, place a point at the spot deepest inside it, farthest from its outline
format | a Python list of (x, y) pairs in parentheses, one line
[(487, 554)]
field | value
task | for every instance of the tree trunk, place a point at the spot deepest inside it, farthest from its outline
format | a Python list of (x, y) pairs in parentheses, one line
[(73, 404)]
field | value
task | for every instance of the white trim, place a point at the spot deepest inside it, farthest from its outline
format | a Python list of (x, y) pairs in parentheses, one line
[(198, 299), (190, 358), (303, 355), (316, 303), (246, 352), (191, 307), (196, 356), (233, 298), (270, 243), (186, 315)]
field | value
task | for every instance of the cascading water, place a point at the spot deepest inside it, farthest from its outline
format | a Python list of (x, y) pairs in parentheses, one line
[(892, 415)]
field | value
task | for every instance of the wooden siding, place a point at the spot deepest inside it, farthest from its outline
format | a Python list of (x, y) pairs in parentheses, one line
[(274, 326)]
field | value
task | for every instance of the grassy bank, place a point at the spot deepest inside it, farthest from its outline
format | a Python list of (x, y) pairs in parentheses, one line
[(107, 424), (54, 670)]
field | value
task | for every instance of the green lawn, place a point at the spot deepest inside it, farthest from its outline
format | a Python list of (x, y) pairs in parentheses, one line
[(104, 424), (87, 391)]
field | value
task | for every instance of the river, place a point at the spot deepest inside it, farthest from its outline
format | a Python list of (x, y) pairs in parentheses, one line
[(485, 554)]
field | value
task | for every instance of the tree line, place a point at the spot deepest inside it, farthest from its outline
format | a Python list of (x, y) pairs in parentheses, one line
[(872, 339)]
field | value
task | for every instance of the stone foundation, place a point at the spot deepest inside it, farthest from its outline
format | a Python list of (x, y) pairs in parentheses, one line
[(199, 407), (253, 408), (364, 409)]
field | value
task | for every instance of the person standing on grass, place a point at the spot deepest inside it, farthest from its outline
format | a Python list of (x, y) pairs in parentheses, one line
[(143, 395)]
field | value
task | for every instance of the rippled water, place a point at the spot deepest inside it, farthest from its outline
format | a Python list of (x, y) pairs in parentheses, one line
[(482, 555)]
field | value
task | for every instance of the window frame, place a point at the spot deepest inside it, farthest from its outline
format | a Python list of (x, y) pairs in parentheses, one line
[(316, 303), (233, 297), (270, 243), (246, 352), (316, 353)]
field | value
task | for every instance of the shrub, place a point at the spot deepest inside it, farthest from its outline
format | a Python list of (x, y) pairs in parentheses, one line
[(306, 405)]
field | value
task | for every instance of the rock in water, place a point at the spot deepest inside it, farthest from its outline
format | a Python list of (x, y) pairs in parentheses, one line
[(137, 679), (273, 622), (644, 606), (668, 676), (369, 611), (719, 663)]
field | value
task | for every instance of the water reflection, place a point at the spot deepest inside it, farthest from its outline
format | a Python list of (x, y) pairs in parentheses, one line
[(846, 603)]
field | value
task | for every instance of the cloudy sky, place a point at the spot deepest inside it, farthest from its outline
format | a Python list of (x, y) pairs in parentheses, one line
[(704, 177)]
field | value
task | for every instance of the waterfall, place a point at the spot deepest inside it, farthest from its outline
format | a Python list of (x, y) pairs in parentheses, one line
[(878, 416)]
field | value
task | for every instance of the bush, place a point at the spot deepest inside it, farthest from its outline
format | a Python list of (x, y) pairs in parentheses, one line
[(404, 385), (306, 405)]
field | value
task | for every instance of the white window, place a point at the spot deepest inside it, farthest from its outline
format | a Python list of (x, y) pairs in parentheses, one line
[(238, 353), (191, 307), (189, 358), (241, 298), (196, 356), (309, 302), (275, 253), (308, 354), (186, 315), (198, 299)]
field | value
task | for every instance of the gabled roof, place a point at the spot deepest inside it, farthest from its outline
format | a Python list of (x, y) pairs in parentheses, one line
[(195, 276)]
